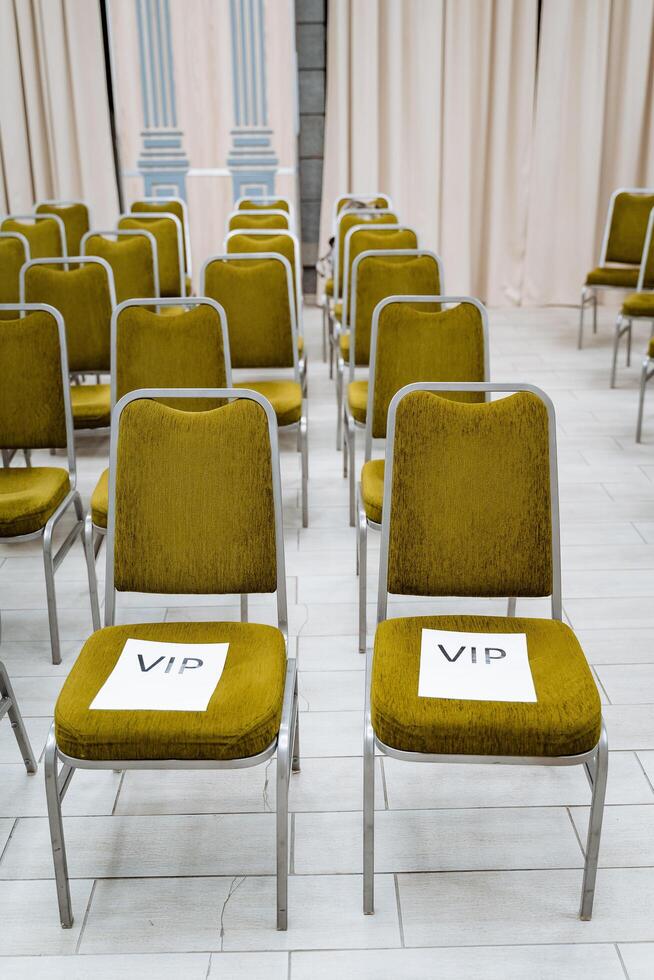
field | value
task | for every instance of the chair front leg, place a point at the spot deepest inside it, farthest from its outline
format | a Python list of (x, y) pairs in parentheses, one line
[(582, 308), (53, 797), (368, 817), (304, 449), (295, 764), (363, 568), (644, 378), (351, 446), (51, 595), (598, 778), (16, 720), (594, 295), (629, 325), (340, 370), (325, 329), (90, 553), (284, 761)]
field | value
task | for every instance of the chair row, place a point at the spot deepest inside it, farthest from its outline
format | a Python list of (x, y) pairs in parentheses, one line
[(194, 505)]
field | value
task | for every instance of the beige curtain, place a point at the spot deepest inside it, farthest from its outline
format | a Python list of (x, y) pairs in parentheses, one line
[(502, 156), (54, 117)]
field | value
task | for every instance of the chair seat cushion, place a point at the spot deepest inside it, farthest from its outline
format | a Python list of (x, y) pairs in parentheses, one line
[(639, 304), (565, 720), (91, 406), (357, 400), (284, 396), (100, 501), (29, 496), (241, 720), (344, 345), (338, 310), (621, 277), (329, 287), (372, 489)]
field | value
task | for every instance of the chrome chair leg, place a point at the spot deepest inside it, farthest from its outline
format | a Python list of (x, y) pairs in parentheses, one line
[(344, 447), (304, 449), (351, 446), (244, 608), (582, 308), (598, 781), (51, 596), (9, 705), (511, 604), (90, 553), (594, 295), (363, 567), (644, 378), (368, 819), (295, 763), (284, 762), (339, 402), (325, 329), (54, 796), (629, 325)]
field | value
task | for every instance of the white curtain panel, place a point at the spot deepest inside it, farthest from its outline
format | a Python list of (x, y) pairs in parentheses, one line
[(54, 115), (501, 156)]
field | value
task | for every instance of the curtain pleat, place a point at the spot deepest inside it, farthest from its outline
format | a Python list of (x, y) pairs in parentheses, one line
[(500, 148), (54, 114)]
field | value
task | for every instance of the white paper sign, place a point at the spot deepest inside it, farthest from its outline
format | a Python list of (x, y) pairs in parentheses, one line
[(150, 675), (475, 666)]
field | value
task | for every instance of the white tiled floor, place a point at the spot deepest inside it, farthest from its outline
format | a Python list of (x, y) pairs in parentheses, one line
[(479, 869)]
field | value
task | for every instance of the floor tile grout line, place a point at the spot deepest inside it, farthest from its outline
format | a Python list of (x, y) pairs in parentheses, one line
[(399, 910), (616, 946), (384, 787), (574, 829), (86, 916), (9, 837), (120, 786), (640, 763)]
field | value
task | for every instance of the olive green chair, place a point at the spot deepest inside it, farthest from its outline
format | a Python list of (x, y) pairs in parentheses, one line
[(414, 338), (85, 296), (472, 510), (151, 349), (622, 247), (132, 255), (195, 507), (253, 220), (383, 262), (257, 292), (178, 207), (352, 202), (9, 706), (35, 413), (272, 240), (14, 252), (168, 232), (46, 235), (266, 202), (637, 306), (76, 219)]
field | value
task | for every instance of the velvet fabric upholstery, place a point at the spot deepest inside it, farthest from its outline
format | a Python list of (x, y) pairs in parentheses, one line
[(91, 406), (12, 257), (329, 287), (619, 277), (386, 275), (338, 310), (350, 220), (76, 222), (180, 351), (100, 501), (214, 465), (650, 348), (32, 414), (29, 495), (254, 294), (165, 206), (639, 304), (241, 720), (43, 236), (418, 344), (344, 345), (82, 297), (628, 227), (254, 220), (131, 261), (165, 233), (253, 205), (284, 396), (470, 508), (372, 489), (357, 400), (565, 720)]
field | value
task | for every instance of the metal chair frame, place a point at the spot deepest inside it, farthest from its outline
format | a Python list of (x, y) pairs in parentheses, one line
[(156, 216), (126, 233), (595, 762), (363, 521), (299, 364), (287, 741), (9, 706), (94, 534), (51, 562), (589, 293), (624, 322), (186, 229)]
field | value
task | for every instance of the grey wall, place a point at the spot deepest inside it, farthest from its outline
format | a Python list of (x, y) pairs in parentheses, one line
[(310, 26)]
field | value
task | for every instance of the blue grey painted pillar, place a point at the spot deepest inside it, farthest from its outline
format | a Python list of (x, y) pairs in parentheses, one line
[(251, 160), (163, 162)]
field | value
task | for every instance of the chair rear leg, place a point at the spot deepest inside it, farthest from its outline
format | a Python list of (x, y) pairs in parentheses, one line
[(53, 624), (351, 440), (295, 764), (368, 819), (16, 720), (363, 567), (616, 345), (304, 449), (629, 325), (598, 775), (339, 403), (53, 797), (582, 308), (90, 553), (641, 400), (282, 831), (594, 295)]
